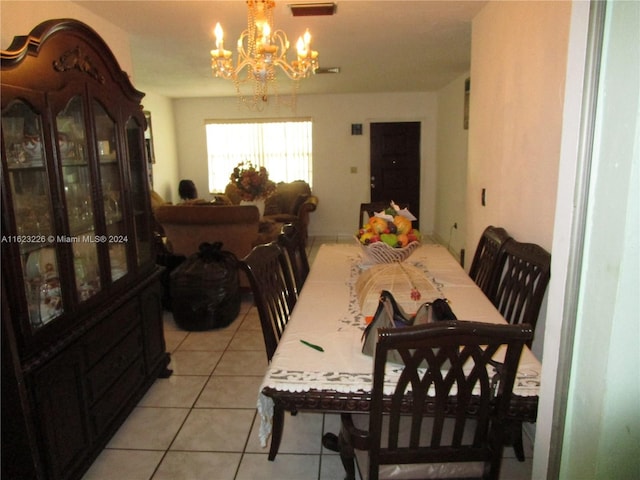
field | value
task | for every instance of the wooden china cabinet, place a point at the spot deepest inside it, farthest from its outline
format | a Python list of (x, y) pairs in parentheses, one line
[(82, 335)]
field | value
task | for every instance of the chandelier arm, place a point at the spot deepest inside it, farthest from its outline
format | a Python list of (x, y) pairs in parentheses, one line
[(240, 45), (291, 71)]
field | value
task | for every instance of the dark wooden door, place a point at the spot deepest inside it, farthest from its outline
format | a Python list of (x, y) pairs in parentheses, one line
[(395, 164)]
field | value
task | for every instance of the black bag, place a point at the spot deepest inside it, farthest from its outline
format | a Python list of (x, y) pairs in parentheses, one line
[(390, 314), (205, 293)]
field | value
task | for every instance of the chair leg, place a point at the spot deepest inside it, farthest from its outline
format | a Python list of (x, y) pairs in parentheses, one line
[(497, 438), (516, 436), (513, 437), (347, 456), (276, 431)]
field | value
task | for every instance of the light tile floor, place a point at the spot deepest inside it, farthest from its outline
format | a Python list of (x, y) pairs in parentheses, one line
[(201, 423)]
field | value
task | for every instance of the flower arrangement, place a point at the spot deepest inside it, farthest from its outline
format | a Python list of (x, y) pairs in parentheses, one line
[(252, 182)]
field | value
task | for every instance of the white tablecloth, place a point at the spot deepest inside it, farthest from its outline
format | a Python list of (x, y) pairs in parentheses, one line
[(328, 314)]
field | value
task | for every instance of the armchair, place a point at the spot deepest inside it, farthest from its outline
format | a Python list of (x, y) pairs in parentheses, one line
[(291, 203)]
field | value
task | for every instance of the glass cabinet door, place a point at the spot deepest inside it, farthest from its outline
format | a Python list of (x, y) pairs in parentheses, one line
[(139, 179), (32, 211), (110, 178), (76, 173)]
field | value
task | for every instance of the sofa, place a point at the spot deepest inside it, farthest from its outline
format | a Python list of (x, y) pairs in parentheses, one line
[(180, 229), (291, 202), (186, 226)]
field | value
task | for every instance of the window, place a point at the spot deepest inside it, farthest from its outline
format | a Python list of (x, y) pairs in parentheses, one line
[(283, 148)]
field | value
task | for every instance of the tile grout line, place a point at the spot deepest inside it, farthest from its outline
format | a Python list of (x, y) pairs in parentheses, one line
[(193, 405)]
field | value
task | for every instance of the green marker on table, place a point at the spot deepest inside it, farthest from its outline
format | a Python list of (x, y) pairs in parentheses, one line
[(315, 347)]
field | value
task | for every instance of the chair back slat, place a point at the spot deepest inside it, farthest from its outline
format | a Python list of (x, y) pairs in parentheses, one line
[(443, 361), (522, 277), (293, 245), (486, 258), (273, 291)]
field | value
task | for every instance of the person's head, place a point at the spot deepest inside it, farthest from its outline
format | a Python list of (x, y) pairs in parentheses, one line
[(187, 190)]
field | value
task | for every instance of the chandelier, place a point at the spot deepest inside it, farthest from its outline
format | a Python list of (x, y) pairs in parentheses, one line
[(262, 50)]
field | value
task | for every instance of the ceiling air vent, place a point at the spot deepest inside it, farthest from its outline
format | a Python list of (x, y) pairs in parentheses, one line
[(312, 9), (328, 70)]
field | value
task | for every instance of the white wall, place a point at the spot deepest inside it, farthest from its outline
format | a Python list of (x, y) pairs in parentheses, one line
[(518, 61), (451, 179), (165, 170), (335, 150)]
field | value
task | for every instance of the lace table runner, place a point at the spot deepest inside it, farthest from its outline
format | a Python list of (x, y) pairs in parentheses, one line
[(366, 282)]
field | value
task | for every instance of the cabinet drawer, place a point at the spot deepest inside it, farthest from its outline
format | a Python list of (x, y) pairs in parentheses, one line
[(114, 363), (104, 336), (116, 398)]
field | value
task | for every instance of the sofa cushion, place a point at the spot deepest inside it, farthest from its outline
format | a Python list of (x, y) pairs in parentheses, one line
[(280, 218), (272, 205), (269, 230), (289, 193)]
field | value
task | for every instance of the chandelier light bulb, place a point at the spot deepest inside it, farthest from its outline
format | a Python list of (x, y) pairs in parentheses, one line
[(266, 33), (300, 47), (219, 36)]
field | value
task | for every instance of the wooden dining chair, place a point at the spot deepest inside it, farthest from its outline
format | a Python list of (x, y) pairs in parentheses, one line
[(274, 295), (410, 429), (367, 210), (293, 245), (485, 260), (521, 279), (273, 291)]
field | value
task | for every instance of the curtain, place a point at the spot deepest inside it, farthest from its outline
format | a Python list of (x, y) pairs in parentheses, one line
[(283, 148)]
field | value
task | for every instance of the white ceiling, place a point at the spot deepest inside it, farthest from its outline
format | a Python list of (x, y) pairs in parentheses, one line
[(380, 46)]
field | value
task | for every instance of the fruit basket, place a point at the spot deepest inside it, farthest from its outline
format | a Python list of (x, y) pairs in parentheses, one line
[(388, 236), (380, 252)]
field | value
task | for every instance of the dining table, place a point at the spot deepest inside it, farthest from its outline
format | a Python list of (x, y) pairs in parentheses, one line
[(319, 366)]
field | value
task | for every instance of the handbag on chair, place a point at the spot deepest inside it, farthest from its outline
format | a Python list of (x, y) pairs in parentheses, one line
[(390, 314)]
